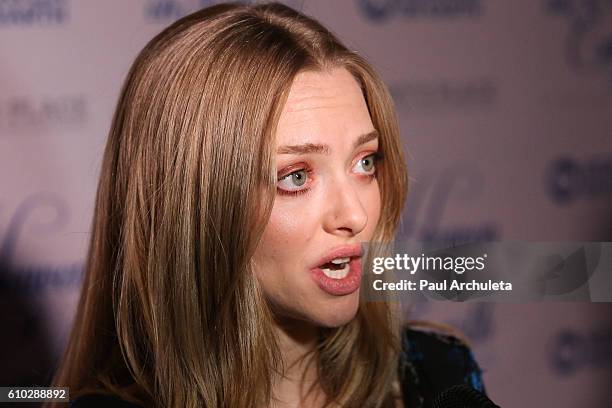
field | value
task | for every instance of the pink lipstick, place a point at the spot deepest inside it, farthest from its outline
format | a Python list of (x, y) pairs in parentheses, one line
[(339, 272)]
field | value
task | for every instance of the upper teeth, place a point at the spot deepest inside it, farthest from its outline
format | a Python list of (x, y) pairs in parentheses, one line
[(338, 273)]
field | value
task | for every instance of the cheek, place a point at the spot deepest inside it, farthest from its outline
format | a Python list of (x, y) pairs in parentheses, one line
[(287, 234), (372, 205), (279, 258)]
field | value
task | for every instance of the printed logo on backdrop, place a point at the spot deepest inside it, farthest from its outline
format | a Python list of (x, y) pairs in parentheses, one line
[(169, 10), (382, 10), (457, 186), (573, 351), (33, 12), (34, 113), (445, 94), (569, 179), (588, 45), (32, 217)]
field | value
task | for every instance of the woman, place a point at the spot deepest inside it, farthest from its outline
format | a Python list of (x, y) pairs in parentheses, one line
[(249, 156)]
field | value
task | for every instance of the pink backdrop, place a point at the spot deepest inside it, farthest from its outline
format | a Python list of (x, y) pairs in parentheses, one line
[(505, 110)]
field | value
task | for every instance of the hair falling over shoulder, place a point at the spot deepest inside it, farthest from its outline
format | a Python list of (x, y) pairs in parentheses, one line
[(170, 313)]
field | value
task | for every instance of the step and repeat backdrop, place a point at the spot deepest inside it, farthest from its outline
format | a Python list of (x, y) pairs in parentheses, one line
[(506, 116)]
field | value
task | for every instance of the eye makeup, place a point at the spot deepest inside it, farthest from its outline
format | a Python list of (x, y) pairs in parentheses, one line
[(288, 178)]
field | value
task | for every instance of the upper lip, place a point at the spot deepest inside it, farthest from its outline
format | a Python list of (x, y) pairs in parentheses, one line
[(344, 251)]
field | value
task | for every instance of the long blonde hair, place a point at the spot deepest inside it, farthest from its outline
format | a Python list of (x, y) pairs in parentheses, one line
[(171, 313)]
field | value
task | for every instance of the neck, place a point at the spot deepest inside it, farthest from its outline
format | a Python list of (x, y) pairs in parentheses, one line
[(297, 341)]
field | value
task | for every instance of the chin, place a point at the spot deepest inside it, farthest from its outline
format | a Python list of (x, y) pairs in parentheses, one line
[(337, 311)]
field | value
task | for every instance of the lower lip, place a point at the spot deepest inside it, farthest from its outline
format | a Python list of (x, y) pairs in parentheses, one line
[(338, 287)]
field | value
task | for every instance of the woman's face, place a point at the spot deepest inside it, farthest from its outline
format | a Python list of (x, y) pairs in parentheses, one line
[(327, 201)]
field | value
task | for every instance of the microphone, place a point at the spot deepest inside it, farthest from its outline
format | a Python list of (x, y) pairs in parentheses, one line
[(462, 396)]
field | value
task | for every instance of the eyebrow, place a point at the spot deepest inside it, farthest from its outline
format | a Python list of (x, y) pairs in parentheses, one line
[(323, 148)]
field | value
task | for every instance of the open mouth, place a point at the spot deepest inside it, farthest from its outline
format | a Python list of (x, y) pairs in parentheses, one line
[(337, 268), (339, 273)]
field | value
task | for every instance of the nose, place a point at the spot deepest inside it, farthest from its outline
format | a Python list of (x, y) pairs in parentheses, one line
[(345, 215)]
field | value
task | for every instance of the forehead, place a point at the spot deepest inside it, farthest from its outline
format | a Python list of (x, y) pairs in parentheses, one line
[(321, 103)]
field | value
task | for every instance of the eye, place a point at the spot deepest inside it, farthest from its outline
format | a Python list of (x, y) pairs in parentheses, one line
[(366, 165), (293, 181)]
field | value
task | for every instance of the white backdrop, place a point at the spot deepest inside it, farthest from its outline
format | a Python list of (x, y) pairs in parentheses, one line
[(506, 114)]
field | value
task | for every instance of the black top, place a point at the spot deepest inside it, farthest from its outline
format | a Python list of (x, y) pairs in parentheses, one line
[(429, 364)]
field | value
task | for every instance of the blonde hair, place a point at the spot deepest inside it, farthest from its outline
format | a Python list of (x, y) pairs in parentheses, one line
[(171, 313)]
